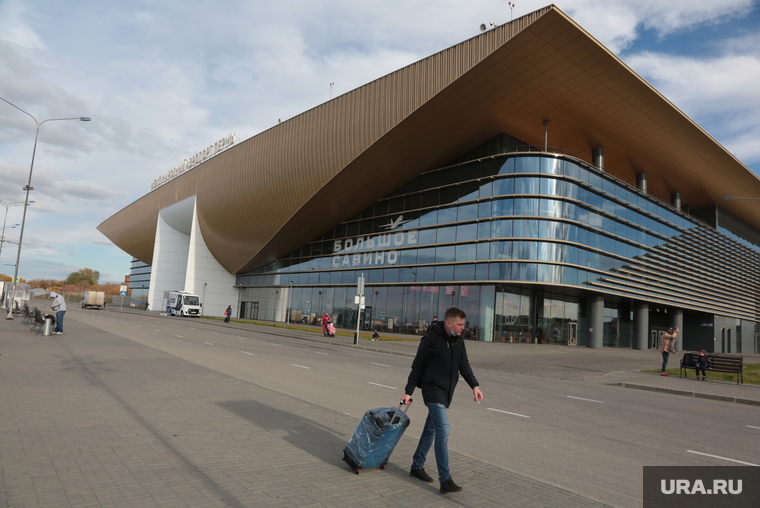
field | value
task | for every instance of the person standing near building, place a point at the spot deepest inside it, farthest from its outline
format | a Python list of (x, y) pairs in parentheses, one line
[(59, 307), (668, 340), (228, 314), (441, 358)]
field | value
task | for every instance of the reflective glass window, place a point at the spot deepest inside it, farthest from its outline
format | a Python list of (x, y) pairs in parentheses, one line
[(468, 191), (552, 187), (501, 250), (552, 166), (621, 229), (503, 207), (446, 235), (594, 180), (467, 232), (553, 230), (595, 220), (525, 250), (608, 225), (350, 277), (569, 211), (427, 237), (444, 254), (594, 260), (464, 272), (503, 187), (526, 206), (551, 274), (549, 251), (484, 230), (571, 169), (444, 273), (527, 185), (550, 207), (449, 194), (571, 254), (608, 244), (336, 277), (430, 198), (313, 278), (501, 228), (412, 202), (408, 274), (484, 210), (486, 190), (467, 212), (465, 252), (483, 251), (408, 257), (527, 164), (525, 228), (570, 276), (500, 271), (390, 275), (426, 255), (621, 248), (595, 199), (481, 271), (508, 167), (425, 274), (429, 218), (447, 215), (582, 257), (524, 272), (608, 263), (570, 190)]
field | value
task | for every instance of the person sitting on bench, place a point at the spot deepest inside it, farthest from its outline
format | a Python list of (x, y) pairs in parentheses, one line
[(702, 362)]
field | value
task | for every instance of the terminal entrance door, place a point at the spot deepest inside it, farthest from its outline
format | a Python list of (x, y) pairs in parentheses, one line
[(654, 339)]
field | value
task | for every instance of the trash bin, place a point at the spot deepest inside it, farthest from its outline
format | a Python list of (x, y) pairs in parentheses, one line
[(47, 328)]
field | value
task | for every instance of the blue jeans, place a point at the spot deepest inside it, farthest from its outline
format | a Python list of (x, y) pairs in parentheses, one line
[(436, 429), (665, 357), (59, 320)]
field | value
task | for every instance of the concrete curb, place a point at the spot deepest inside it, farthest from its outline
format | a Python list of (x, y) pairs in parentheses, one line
[(736, 400)]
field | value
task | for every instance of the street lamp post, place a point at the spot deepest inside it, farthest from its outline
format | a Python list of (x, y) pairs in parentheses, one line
[(28, 187), (5, 220)]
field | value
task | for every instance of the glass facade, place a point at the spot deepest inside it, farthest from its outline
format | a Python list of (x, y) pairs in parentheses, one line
[(139, 283), (518, 241)]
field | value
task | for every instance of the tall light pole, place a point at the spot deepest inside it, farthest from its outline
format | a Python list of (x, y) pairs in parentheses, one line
[(28, 187), (5, 219)]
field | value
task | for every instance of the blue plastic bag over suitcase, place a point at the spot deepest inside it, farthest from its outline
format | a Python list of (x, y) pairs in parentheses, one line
[(375, 437)]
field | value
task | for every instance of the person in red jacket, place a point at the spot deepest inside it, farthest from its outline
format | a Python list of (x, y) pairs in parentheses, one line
[(325, 320), (441, 358)]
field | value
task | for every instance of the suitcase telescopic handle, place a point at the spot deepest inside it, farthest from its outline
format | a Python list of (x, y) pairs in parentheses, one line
[(402, 408)]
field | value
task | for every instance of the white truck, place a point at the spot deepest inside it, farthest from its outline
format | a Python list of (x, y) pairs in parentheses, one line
[(181, 303), (94, 300)]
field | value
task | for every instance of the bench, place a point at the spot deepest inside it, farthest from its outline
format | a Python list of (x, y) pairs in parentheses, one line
[(721, 362)]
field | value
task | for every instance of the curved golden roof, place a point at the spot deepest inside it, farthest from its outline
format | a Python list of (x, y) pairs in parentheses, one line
[(280, 189)]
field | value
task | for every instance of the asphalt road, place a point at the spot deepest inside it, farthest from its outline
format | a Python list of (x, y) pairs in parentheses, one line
[(585, 437)]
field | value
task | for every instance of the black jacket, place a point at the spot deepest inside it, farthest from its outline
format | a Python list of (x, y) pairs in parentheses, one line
[(436, 368)]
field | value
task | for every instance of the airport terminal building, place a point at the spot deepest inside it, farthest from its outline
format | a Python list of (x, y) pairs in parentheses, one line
[(526, 175)]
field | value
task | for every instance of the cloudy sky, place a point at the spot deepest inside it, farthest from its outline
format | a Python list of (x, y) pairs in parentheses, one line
[(164, 79)]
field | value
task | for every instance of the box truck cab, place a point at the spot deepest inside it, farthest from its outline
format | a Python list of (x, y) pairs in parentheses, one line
[(182, 303)]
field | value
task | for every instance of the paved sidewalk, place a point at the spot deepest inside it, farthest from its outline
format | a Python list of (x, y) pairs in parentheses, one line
[(89, 419)]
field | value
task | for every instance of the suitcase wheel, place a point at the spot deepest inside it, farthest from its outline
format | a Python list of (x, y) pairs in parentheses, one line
[(382, 466), (357, 471)]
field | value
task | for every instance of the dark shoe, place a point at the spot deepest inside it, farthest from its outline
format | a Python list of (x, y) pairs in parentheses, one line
[(420, 474), (449, 486)]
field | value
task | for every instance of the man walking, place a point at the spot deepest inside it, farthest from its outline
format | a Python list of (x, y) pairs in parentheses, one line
[(441, 358), (59, 307)]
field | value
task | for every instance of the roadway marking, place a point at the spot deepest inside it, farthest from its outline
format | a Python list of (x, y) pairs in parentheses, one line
[(278, 345), (180, 336), (378, 384), (139, 326), (192, 328), (158, 330), (507, 412), (380, 364), (241, 338), (215, 333), (588, 400), (210, 344), (247, 353), (318, 353), (751, 427), (724, 458), (300, 366)]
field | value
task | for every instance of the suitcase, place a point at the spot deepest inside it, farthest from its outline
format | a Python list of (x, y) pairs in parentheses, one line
[(375, 437)]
